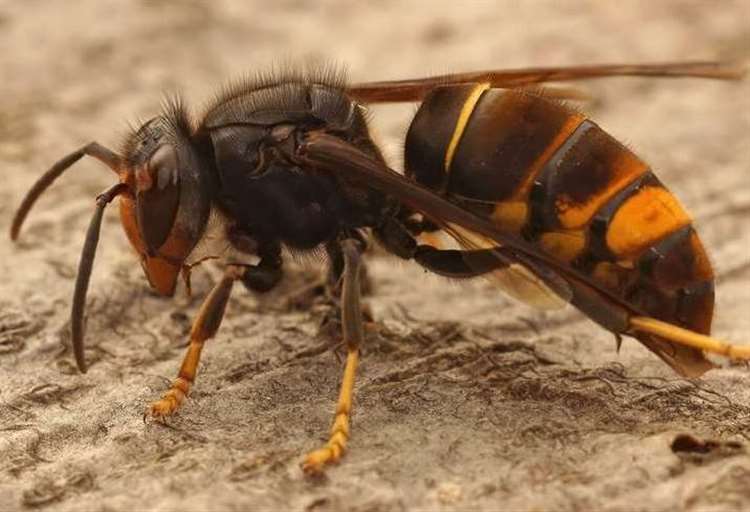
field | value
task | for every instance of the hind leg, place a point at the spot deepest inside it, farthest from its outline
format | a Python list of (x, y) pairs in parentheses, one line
[(400, 240)]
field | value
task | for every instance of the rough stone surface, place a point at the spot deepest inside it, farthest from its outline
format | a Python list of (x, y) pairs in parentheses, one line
[(465, 400)]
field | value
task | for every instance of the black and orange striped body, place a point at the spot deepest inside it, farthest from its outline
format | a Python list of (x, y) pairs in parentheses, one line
[(547, 174)]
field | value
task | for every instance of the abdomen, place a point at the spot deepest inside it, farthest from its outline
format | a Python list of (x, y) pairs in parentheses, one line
[(547, 174)]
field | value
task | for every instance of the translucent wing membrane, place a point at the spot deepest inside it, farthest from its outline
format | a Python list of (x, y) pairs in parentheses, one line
[(530, 284)]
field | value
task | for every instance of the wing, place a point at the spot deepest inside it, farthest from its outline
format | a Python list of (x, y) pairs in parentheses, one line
[(519, 278), (682, 349), (416, 89), (530, 268), (501, 266)]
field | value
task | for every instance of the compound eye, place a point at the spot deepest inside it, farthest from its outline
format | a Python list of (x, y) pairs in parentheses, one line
[(157, 197)]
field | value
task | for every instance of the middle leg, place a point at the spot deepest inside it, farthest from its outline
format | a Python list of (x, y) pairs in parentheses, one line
[(353, 333), (327, 288)]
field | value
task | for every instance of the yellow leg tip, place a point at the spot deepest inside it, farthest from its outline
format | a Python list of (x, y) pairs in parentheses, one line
[(316, 461), (161, 408), (167, 406)]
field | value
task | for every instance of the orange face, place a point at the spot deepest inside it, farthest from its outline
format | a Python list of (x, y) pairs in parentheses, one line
[(163, 268)]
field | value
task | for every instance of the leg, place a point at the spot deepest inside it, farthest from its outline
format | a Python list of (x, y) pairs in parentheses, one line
[(336, 263), (334, 277), (323, 288), (205, 326), (328, 288), (267, 273), (351, 319), (457, 264)]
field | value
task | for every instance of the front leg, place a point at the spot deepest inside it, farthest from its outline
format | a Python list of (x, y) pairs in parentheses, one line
[(205, 326), (353, 332)]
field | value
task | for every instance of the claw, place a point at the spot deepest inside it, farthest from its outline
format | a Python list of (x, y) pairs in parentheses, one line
[(169, 403), (315, 461)]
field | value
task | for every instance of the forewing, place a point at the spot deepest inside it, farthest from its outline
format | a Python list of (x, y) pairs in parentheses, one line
[(416, 89)]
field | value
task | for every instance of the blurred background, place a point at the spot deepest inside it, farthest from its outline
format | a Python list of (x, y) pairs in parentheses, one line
[(111, 61), (71, 72)]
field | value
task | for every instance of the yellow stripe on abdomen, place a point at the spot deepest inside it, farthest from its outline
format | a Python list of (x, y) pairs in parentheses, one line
[(463, 120)]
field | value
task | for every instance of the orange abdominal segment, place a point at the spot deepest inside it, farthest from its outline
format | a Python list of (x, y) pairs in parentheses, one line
[(646, 217), (511, 216), (564, 245), (576, 214)]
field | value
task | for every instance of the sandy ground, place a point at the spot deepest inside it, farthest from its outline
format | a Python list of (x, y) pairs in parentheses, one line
[(465, 400)]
